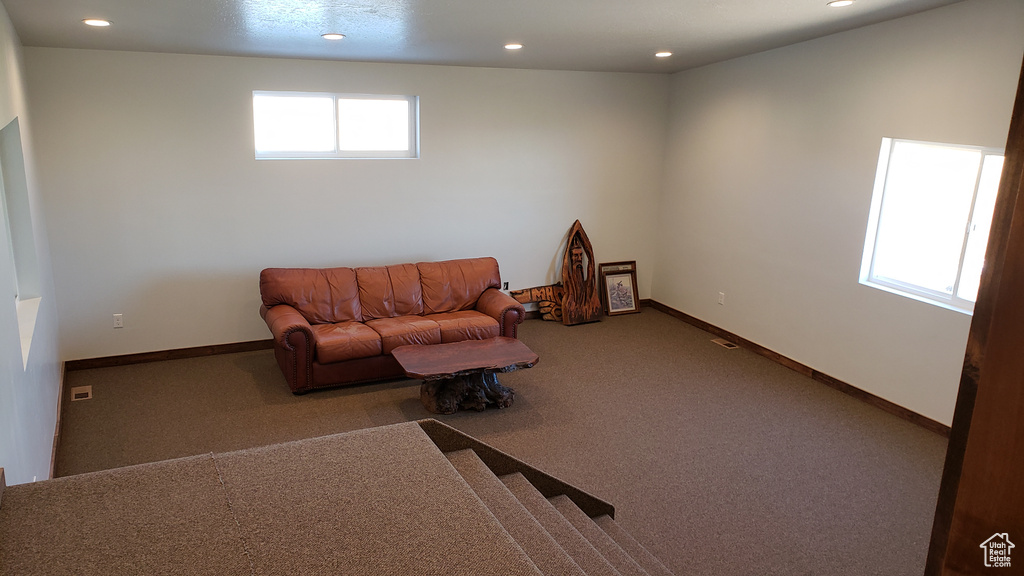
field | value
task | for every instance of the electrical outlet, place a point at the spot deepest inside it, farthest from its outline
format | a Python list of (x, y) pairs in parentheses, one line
[(118, 321), (504, 286), (721, 298)]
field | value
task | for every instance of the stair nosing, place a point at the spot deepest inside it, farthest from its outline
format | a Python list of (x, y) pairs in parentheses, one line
[(616, 556), (582, 551), (564, 565)]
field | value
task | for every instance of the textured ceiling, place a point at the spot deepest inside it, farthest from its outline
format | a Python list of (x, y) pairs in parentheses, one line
[(606, 35)]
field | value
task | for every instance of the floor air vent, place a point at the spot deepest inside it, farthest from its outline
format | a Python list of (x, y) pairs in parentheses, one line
[(81, 393), (724, 343)]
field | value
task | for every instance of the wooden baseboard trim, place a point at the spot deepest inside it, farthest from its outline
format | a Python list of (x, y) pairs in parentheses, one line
[(849, 389), (198, 351), (177, 354)]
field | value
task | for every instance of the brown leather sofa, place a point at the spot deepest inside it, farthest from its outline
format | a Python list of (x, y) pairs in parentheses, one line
[(335, 326)]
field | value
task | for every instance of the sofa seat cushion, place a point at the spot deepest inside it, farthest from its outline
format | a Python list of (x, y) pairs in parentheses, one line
[(402, 330), (465, 325), (345, 341)]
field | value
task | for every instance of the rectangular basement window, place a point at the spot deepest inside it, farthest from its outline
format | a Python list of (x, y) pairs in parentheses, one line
[(931, 211), (307, 125)]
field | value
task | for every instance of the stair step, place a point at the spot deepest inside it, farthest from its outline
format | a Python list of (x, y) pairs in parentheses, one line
[(579, 548), (637, 551), (608, 548), (549, 557)]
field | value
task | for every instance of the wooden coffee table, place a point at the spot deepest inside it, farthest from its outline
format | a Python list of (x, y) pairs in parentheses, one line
[(464, 374)]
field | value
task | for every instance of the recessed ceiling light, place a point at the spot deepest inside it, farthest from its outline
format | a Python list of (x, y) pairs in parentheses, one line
[(662, 54), (840, 3), (513, 46), (332, 36), (96, 22)]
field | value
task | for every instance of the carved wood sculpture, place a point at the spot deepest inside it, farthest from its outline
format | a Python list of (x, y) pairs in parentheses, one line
[(548, 299), (581, 301)]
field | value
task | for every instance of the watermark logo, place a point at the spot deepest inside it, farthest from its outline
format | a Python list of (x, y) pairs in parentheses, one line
[(997, 550)]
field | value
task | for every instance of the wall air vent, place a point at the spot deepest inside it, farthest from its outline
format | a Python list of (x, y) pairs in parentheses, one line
[(724, 343), (81, 393)]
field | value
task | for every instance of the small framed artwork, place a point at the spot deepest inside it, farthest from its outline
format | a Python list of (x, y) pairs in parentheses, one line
[(619, 293)]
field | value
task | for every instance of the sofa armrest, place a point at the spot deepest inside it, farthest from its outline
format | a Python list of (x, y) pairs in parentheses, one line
[(293, 344), (283, 321), (502, 308)]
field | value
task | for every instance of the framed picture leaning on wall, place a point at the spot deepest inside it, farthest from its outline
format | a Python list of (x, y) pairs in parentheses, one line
[(618, 281)]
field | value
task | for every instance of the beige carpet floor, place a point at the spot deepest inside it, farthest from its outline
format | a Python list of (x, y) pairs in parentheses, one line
[(377, 502), (719, 461)]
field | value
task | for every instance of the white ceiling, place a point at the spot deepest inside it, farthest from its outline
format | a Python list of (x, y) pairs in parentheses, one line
[(606, 35)]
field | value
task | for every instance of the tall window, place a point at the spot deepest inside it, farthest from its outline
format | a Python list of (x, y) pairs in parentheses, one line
[(322, 125), (930, 217)]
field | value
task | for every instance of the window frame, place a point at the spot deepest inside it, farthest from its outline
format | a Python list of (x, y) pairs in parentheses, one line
[(868, 277), (414, 145)]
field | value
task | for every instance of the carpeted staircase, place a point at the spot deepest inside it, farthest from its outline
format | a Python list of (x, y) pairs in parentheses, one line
[(414, 498), (554, 532)]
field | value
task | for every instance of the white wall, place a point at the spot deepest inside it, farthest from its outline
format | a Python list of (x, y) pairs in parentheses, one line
[(28, 392), (158, 210), (769, 174)]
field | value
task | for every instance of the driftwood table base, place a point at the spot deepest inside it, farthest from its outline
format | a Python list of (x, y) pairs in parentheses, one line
[(464, 375), (467, 392)]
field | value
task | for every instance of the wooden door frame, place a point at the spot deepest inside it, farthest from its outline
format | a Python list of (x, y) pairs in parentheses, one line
[(990, 390)]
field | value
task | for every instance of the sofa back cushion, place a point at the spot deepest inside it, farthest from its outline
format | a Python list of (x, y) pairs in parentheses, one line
[(456, 284), (321, 295), (389, 291)]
